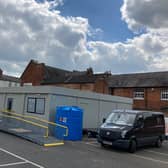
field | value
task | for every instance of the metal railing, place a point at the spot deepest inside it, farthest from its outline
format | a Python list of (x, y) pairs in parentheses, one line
[(27, 121), (21, 117)]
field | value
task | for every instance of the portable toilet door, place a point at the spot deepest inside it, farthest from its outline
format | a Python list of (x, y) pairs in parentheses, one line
[(71, 117)]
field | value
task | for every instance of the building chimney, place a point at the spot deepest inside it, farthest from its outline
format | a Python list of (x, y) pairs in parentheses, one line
[(89, 71)]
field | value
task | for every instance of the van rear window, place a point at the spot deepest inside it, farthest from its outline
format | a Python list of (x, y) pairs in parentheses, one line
[(160, 120)]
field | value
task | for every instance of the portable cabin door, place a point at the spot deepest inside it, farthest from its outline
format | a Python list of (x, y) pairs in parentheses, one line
[(90, 112)]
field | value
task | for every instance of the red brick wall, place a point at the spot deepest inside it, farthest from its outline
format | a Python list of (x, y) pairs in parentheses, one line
[(123, 92), (71, 86), (33, 74), (152, 99), (86, 87), (139, 104), (101, 86)]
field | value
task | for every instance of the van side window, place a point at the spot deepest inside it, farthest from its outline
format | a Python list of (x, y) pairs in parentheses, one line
[(150, 121)]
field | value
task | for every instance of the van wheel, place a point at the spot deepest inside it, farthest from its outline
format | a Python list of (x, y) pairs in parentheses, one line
[(132, 146), (158, 143), (103, 145)]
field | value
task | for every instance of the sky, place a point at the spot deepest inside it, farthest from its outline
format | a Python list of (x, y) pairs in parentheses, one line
[(121, 36), (103, 15)]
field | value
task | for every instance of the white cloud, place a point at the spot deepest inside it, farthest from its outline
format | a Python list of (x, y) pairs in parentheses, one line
[(146, 52), (118, 57), (149, 14), (31, 30)]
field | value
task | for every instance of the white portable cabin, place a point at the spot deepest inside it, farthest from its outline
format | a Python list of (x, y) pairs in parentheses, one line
[(41, 101)]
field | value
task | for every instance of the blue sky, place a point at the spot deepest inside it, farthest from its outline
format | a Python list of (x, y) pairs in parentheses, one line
[(101, 14), (77, 34)]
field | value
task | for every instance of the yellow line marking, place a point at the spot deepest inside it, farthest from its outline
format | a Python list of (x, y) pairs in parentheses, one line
[(54, 144)]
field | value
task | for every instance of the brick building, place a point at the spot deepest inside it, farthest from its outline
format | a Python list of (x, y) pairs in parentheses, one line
[(40, 74), (8, 81), (148, 90)]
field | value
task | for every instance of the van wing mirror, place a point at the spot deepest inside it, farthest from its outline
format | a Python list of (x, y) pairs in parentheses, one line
[(104, 120)]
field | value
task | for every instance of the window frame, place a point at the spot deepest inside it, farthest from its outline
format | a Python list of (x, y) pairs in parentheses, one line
[(139, 94), (35, 110), (164, 94)]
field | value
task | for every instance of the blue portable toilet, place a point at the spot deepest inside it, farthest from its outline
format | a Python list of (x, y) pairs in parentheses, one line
[(72, 117)]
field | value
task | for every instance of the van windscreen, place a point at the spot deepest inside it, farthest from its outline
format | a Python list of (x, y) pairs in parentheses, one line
[(121, 118)]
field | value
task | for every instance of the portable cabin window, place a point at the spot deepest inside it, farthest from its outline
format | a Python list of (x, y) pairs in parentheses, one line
[(139, 94), (36, 105), (164, 94)]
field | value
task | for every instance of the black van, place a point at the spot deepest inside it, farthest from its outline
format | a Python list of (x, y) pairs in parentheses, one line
[(130, 129)]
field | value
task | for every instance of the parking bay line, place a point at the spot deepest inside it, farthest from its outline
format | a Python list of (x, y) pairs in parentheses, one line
[(150, 159), (13, 164), (159, 153), (92, 144), (21, 158), (150, 151), (139, 156)]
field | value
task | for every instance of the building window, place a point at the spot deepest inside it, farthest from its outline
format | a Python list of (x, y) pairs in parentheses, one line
[(36, 105), (139, 94), (164, 94)]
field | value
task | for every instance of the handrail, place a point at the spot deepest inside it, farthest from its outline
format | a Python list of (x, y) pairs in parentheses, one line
[(26, 121), (38, 119)]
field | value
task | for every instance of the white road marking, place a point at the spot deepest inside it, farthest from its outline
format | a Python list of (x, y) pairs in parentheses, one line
[(160, 153), (92, 143), (138, 156), (13, 164), (150, 159), (21, 158)]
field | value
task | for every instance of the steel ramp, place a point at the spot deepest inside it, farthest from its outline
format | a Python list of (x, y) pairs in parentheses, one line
[(28, 130), (28, 135)]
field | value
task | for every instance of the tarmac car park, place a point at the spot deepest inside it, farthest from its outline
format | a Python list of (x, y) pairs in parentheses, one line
[(19, 153)]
